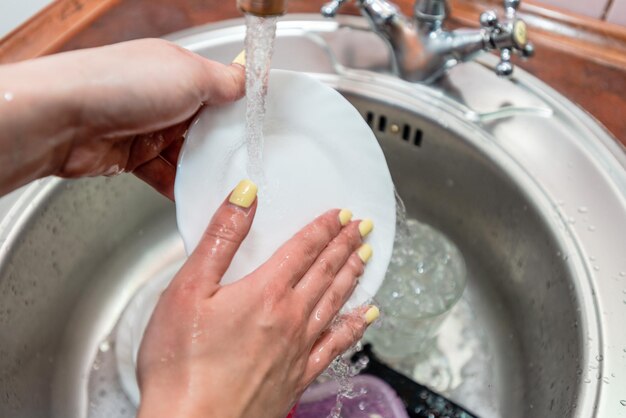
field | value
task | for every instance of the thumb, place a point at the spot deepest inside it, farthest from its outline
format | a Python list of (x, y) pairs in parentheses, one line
[(223, 83), (226, 231)]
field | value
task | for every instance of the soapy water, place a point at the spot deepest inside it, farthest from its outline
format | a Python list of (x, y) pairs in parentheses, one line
[(259, 42)]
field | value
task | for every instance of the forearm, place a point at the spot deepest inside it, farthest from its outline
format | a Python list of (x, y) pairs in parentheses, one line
[(37, 122)]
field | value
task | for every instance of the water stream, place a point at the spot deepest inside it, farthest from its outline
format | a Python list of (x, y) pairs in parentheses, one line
[(260, 36)]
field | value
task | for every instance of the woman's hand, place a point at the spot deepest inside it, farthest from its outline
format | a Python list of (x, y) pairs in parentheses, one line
[(106, 110), (250, 348)]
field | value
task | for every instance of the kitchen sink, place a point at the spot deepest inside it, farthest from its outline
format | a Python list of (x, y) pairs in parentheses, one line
[(530, 188)]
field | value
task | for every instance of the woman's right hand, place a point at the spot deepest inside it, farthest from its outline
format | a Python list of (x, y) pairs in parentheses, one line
[(250, 348)]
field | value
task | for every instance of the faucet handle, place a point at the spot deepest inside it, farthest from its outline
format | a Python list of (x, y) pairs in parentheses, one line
[(505, 67), (330, 9), (510, 36), (510, 8)]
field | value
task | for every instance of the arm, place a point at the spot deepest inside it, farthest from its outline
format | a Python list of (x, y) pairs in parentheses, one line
[(106, 110)]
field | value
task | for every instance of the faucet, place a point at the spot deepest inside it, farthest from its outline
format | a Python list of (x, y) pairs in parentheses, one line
[(263, 8), (423, 50)]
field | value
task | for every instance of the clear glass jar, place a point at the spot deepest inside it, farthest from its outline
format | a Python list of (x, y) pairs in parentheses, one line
[(425, 279)]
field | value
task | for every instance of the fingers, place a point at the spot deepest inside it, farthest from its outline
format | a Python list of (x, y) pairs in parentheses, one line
[(219, 83), (348, 330), (336, 295), (172, 152), (323, 271), (153, 158), (146, 147), (159, 174), (291, 261), (222, 238)]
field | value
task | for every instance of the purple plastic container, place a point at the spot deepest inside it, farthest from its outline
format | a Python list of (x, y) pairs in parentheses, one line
[(378, 400)]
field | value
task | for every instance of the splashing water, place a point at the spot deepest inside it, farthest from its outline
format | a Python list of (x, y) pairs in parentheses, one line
[(343, 370), (260, 36), (425, 278)]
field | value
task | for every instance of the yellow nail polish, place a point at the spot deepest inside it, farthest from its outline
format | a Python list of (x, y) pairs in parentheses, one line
[(372, 314), (365, 252), (366, 226), (345, 216), (240, 59), (244, 194)]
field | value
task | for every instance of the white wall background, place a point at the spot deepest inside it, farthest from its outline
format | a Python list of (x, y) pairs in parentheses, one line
[(14, 12)]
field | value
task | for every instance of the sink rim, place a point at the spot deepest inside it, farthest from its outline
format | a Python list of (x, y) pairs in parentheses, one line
[(28, 198)]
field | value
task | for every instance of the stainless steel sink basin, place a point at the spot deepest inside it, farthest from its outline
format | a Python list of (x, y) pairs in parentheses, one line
[(528, 186)]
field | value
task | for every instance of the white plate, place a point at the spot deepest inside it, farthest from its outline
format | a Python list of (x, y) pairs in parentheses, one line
[(318, 154)]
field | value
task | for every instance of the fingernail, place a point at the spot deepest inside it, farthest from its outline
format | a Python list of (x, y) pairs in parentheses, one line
[(240, 59), (345, 216), (244, 194), (365, 252), (366, 226), (372, 314)]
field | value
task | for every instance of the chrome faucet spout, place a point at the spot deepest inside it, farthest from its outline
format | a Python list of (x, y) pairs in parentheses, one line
[(423, 50)]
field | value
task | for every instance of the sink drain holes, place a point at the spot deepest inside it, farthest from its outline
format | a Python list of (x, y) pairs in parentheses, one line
[(406, 132), (380, 123), (417, 138)]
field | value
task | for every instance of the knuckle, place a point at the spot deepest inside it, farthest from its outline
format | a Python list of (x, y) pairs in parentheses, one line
[(335, 299), (356, 266), (224, 231), (160, 45), (356, 328), (330, 223), (326, 268)]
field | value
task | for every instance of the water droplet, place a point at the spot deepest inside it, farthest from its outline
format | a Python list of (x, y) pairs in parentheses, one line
[(104, 346), (596, 268), (622, 273), (583, 209), (623, 402), (592, 258), (591, 228), (450, 183), (599, 357), (571, 221), (8, 96), (587, 380)]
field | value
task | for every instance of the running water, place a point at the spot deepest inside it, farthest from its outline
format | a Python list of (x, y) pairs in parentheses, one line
[(260, 36), (342, 370)]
